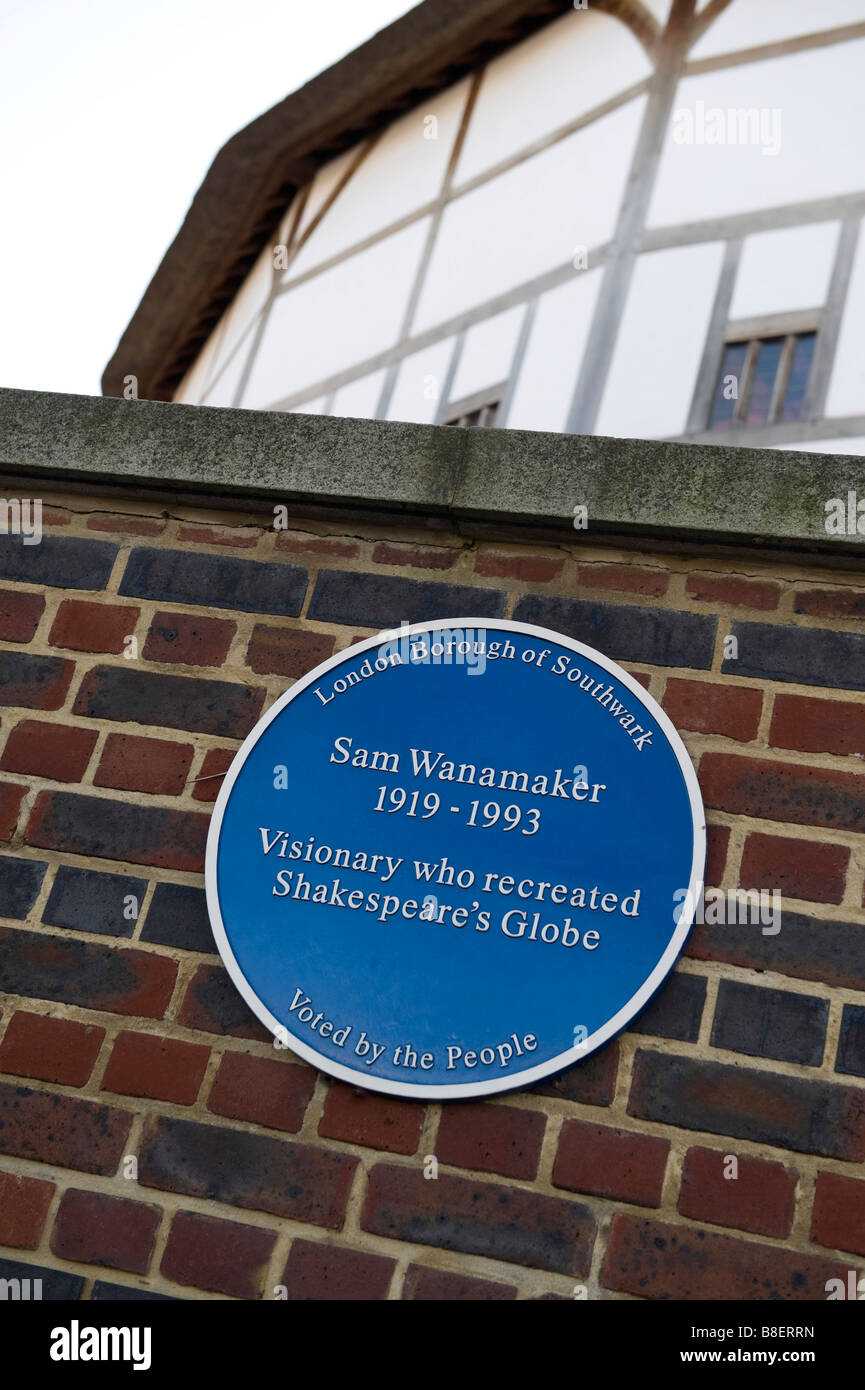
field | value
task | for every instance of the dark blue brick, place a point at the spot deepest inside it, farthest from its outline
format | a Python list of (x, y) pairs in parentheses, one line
[(770, 1023), (57, 1285), (851, 1043), (379, 600), (788, 1112), (675, 1011), (626, 632), (808, 948), (36, 682), (64, 562), (215, 581), (177, 916), (104, 1292), (20, 881), (807, 655), (87, 900), (225, 708), (591, 1082)]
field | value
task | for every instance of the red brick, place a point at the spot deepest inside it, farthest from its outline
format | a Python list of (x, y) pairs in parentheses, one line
[(62, 1131), (717, 844), (702, 708), (101, 1230), (817, 726), (207, 785), (50, 1049), (330, 1273), (299, 544), (262, 1090), (480, 1218), (24, 1204), (612, 1163), (531, 569), (439, 1285), (19, 615), (493, 1138), (633, 579), (219, 1256), (733, 590), (158, 1068), (126, 525), (760, 1199), (92, 627), (830, 603), (644, 679), (58, 751), (378, 1122), (773, 790), (796, 868), (240, 537), (188, 639), (56, 516), (838, 1219), (11, 796), (283, 651), (442, 558), (132, 763), (652, 1259)]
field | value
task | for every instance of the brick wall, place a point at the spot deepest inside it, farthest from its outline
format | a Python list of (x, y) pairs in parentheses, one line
[(152, 1140)]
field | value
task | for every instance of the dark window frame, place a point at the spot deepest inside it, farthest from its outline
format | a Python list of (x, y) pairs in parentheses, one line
[(790, 328), (478, 411)]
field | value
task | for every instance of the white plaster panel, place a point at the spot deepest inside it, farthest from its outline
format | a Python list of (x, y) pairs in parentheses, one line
[(236, 325), (566, 69), (246, 306), (315, 407), (487, 353), (554, 352), (403, 171), (820, 96), (784, 270), (323, 185), (530, 219), (344, 315), (660, 343), (749, 23), (419, 384), (846, 395), (223, 386), (360, 398), (191, 388)]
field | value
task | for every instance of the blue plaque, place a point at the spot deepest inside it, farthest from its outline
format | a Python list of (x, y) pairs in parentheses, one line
[(454, 859)]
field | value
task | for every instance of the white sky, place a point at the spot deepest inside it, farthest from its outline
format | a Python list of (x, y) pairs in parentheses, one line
[(111, 115)]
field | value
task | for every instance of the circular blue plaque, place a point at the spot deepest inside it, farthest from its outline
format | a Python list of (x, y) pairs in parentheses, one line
[(454, 859)]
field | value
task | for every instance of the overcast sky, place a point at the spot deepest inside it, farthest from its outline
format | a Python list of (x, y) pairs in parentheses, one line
[(111, 115)]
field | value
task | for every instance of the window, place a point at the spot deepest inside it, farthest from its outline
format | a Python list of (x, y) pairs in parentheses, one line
[(763, 379), (475, 412)]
